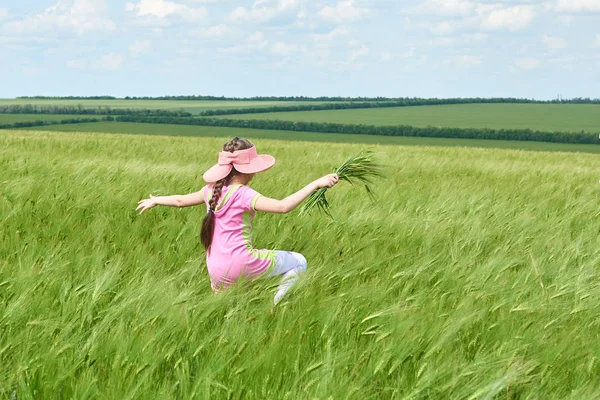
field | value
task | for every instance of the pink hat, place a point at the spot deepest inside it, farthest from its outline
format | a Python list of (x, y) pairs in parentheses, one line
[(246, 161)]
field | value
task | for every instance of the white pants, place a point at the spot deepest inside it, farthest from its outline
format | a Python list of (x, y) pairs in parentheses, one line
[(290, 265)]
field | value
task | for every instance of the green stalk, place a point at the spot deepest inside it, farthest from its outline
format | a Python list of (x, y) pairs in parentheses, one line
[(360, 168)]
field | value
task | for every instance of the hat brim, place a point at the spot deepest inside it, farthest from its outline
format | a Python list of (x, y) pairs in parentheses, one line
[(217, 172), (259, 164)]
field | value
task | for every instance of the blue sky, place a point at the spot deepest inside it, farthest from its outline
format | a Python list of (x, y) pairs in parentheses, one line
[(427, 48)]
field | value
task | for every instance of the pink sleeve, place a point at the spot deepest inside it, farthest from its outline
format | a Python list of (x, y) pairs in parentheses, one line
[(249, 197)]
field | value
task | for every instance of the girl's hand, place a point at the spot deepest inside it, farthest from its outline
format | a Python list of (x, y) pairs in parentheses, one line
[(146, 204), (327, 181)]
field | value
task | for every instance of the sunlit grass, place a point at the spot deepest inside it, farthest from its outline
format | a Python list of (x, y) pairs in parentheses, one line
[(474, 275)]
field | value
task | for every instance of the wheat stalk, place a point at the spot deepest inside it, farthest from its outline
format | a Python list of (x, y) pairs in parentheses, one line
[(358, 168)]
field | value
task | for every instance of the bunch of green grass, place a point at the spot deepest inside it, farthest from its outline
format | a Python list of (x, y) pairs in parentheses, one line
[(361, 167)]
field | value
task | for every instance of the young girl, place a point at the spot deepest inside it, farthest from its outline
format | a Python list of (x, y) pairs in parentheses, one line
[(226, 230)]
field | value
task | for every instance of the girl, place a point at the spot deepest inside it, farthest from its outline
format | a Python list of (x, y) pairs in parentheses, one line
[(226, 230)]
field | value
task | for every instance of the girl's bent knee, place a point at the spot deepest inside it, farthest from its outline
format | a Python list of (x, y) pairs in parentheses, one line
[(301, 261)]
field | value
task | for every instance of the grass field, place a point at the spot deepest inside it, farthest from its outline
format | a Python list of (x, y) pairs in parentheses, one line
[(205, 131), (193, 106), (12, 118), (542, 117), (473, 276)]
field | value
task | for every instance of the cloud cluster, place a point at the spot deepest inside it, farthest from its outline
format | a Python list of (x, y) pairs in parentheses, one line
[(554, 43), (575, 6), (108, 62), (343, 11), (457, 15), (264, 11), (77, 16), (527, 63), (163, 12), (139, 47), (463, 62), (324, 35)]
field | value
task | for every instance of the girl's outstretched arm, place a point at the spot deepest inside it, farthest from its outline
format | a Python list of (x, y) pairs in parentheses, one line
[(186, 200), (286, 205)]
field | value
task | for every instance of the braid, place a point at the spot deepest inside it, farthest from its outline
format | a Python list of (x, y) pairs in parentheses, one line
[(216, 194), (208, 225)]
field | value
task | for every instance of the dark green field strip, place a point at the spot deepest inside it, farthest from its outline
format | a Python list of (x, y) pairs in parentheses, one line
[(12, 118), (386, 130), (206, 131), (542, 117)]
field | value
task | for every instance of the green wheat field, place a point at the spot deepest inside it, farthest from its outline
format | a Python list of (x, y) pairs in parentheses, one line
[(543, 117), (473, 275)]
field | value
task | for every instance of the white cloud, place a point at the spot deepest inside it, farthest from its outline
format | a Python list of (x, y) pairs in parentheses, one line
[(577, 5), (441, 28), (445, 7), (408, 53), (157, 11), (111, 62), (346, 66), (21, 40), (190, 52), (283, 49), (469, 15), (554, 43), (139, 47), (475, 37), (256, 37), (77, 64), (467, 39), (386, 56), (527, 63), (511, 18), (462, 62), (255, 42), (78, 16), (217, 31), (328, 37), (266, 10), (209, 1), (343, 11), (363, 51), (564, 20), (3, 13)]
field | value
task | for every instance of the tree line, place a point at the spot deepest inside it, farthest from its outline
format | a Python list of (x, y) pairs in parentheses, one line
[(40, 122), (68, 97), (395, 130), (80, 110), (576, 100)]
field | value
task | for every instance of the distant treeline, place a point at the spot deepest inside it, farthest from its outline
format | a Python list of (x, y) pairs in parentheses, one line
[(80, 110), (399, 130), (413, 100), (68, 97), (39, 122)]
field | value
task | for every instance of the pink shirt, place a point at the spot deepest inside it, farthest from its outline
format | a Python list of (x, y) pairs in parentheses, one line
[(231, 254)]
